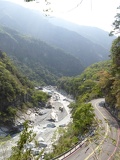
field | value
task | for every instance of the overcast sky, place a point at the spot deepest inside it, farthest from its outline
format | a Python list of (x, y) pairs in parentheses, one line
[(98, 13)]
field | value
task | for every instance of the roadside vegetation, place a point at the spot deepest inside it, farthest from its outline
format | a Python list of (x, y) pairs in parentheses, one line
[(110, 81), (83, 121), (99, 80), (84, 88), (87, 86), (92, 83)]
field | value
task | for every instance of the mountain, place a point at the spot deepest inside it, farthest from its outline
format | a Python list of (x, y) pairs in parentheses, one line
[(94, 34), (31, 22), (36, 59)]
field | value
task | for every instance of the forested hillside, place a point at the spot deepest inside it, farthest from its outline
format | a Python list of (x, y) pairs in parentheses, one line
[(110, 81), (37, 60), (84, 45), (86, 86), (94, 34), (15, 90), (99, 80), (33, 51)]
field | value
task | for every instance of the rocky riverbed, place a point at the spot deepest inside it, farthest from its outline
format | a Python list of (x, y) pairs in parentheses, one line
[(40, 119)]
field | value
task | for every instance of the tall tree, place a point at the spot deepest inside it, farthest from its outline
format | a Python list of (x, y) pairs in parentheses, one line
[(116, 24), (18, 151), (83, 117)]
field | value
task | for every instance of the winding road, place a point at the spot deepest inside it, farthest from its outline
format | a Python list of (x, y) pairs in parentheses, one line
[(106, 143)]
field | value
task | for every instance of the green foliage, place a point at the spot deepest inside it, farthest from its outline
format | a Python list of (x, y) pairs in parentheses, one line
[(116, 23), (66, 141), (13, 89), (86, 86), (83, 117), (110, 81), (115, 54), (11, 110), (18, 152), (37, 60), (39, 96)]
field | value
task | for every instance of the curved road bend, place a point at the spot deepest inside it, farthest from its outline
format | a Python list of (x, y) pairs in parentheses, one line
[(108, 142)]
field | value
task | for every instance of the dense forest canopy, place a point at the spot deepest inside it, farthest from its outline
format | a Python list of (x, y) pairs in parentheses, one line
[(90, 45), (14, 88), (16, 91), (99, 80), (110, 81), (47, 65), (86, 85), (44, 64), (36, 59)]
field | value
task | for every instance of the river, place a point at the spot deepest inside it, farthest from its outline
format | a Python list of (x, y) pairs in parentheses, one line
[(41, 123)]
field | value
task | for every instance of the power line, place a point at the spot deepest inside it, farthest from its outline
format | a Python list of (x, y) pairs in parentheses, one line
[(75, 6), (49, 10)]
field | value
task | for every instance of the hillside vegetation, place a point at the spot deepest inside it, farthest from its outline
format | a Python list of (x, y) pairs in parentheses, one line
[(45, 64), (87, 85), (37, 60), (14, 88), (16, 91), (99, 80), (94, 34), (110, 81), (89, 45)]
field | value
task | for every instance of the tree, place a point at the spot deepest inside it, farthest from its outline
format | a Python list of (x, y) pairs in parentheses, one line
[(83, 117), (116, 23), (110, 80), (39, 96), (115, 53), (26, 136)]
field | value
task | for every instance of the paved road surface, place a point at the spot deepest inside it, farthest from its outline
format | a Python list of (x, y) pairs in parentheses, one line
[(108, 140)]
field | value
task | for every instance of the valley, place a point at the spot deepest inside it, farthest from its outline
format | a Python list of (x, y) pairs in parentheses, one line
[(45, 128), (64, 79), (88, 44), (41, 124)]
